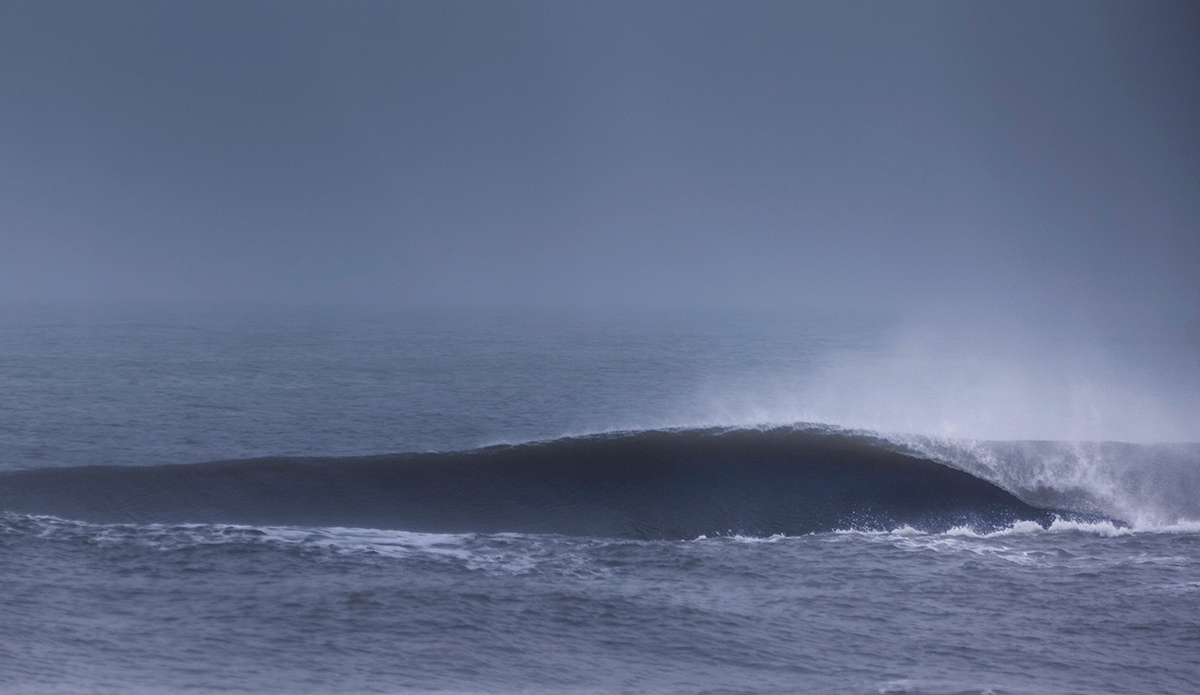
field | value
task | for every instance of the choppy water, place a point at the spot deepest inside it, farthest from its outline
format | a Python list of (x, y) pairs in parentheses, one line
[(213, 608), (806, 559)]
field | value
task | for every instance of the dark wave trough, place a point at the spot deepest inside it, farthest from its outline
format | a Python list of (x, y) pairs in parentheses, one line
[(656, 484)]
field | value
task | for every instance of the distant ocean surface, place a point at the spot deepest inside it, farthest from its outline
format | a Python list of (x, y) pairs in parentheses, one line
[(358, 500)]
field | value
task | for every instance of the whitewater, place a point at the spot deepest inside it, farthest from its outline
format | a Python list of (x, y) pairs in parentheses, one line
[(284, 500)]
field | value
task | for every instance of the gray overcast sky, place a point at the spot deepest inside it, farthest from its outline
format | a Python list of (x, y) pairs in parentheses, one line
[(842, 154)]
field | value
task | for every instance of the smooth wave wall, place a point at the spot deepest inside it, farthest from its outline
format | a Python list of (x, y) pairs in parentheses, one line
[(657, 484)]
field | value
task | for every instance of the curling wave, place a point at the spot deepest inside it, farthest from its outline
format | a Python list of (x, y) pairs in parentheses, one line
[(652, 484), (1151, 487)]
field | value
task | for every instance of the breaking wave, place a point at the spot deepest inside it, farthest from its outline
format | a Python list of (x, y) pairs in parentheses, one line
[(1146, 486), (678, 484)]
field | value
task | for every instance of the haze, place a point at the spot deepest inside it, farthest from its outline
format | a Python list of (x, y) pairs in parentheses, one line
[(842, 155)]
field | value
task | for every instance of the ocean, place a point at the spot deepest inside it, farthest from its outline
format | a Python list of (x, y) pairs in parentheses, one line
[(264, 499)]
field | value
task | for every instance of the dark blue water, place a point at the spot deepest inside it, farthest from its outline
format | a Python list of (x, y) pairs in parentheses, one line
[(737, 526)]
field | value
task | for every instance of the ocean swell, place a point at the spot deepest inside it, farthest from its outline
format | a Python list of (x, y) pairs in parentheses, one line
[(653, 484)]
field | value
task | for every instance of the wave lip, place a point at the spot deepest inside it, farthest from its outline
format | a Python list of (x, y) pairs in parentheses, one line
[(652, 485)]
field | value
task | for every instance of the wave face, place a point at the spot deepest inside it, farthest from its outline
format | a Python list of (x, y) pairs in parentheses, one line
[(656, 484)]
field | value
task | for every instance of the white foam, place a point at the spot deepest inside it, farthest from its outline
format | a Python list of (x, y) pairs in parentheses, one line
[(1029, 528), (504, 553)]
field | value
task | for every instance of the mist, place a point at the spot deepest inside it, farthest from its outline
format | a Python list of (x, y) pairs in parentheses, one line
[(983, 380)]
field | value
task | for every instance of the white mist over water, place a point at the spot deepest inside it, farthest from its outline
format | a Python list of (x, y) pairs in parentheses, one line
[(987, 381)]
